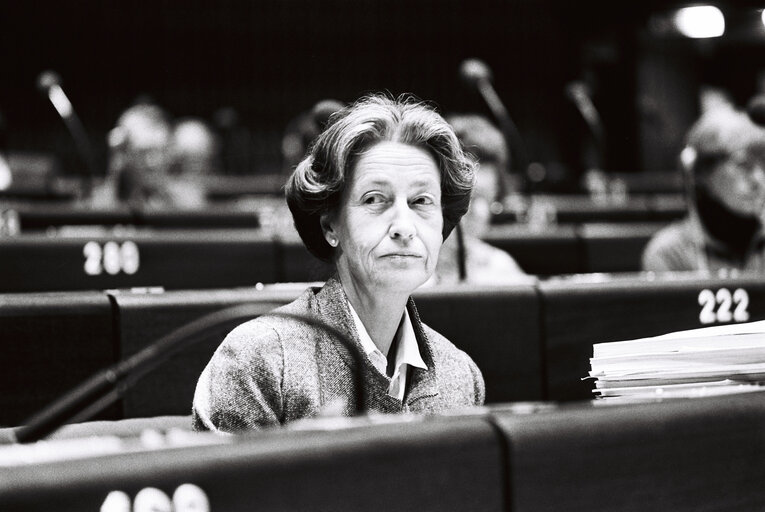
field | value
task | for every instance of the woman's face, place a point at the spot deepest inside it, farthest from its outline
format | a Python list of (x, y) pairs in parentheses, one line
[(389, 224)]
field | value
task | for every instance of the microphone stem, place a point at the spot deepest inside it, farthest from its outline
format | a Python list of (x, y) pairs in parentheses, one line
[(49, 419), (517, 159), (76, 129), (491, 98)]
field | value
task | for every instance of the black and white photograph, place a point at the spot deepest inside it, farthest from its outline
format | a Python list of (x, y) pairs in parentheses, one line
[(402, 255)]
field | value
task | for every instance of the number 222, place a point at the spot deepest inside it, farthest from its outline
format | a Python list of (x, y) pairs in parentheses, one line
[(724, 300)]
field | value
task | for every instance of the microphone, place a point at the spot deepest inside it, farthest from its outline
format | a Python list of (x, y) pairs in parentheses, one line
[(756, 110), (477, 74), (109, 385), (6, 176), (49, 83), (579, 94), (323, 110), (461, 256)]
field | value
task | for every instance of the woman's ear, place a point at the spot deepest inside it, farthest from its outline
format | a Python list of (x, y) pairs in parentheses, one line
[(327, 230)]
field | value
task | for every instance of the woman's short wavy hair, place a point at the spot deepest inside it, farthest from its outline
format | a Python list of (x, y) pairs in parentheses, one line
[(316, 186)]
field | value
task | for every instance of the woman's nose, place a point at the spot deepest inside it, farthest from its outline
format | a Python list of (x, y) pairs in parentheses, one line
[(402, 224)]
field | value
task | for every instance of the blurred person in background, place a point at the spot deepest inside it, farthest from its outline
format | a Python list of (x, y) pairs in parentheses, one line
[(483, 263), (377, 194), (195, 148), (195, 157), (724, 165), (303, 129), (140, 161)]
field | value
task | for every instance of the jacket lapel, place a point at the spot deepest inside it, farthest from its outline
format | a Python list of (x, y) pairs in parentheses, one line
[(331, 306)]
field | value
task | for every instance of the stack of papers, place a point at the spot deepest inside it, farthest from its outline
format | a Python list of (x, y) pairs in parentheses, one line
[(699, 362)]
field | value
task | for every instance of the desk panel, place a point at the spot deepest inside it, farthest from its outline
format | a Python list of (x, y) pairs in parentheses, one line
[(144, 318), (680, 455), (172, 259), (499, 327), (639, 208), (211, 216), (615, 247), (552, 250), (39, 217), (581, 208), (581, 312), (51, 342)]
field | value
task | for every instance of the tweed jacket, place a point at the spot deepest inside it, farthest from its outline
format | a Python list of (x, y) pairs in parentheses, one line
[(273, 370)]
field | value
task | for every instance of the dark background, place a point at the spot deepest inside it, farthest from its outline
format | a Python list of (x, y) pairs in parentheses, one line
[(271, 60)]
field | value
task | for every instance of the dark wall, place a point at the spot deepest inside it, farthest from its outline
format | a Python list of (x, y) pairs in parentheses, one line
[(270, 60)]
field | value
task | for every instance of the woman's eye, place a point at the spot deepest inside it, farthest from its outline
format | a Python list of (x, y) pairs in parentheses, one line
[(373, 199), (423, 200)]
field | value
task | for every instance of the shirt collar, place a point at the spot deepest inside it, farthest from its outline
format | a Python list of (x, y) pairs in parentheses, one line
[(366, 341)]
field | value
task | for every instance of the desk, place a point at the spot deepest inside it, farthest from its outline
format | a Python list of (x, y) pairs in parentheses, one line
[(585, 310), (443, 464), (682, 455), (178, 259)]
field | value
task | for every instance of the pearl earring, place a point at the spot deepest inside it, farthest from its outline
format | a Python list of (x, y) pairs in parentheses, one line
[(332, 241)]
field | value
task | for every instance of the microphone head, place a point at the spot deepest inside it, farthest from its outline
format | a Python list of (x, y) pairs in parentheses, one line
[(756, 110), (323, 110), (474, 71), (577, 89), (47, 79)]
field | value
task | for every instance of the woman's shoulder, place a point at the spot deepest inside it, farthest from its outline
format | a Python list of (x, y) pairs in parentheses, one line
[(269, 329)]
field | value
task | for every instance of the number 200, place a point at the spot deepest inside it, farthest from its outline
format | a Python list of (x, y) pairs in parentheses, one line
[(724, 300), (112, 258)]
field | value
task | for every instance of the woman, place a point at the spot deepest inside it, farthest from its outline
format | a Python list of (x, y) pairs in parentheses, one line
[(380, 190)]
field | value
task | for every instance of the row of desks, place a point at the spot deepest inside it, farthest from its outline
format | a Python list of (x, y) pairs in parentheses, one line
[(532, 342), (175, 259), (681, 455), (563, 209)]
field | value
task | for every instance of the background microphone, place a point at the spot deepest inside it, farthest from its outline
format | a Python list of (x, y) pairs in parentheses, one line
[(756, 110), (579, 94), (109, 385), (6, 176), (49, 83), (477, 74), (323, 110)]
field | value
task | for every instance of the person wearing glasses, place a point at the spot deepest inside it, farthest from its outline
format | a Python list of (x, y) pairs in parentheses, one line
[(724, 165)]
